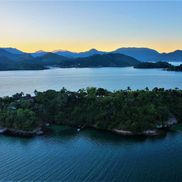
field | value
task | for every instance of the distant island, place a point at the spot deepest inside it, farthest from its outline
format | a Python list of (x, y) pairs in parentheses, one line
[(175, 68), (153, 65), (126, 112), (14, 59), (164, 65)]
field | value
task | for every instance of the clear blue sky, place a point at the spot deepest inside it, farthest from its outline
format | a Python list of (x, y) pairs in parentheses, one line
[(79, 25)]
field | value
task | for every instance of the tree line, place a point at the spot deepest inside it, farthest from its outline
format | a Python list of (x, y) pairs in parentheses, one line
[(137, 110)]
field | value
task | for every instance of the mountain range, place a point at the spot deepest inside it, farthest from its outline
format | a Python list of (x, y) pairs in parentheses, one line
[(141, 54), (13, 59), (96, 60)]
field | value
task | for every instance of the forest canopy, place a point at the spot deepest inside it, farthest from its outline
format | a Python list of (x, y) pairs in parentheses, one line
[(92, 107)]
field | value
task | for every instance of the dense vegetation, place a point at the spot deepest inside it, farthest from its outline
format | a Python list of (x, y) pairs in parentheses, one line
[(153, 65), (105, 60), (165, 65), (25, 62), (175, 68), (7, 64), (10, 61), (124, 109)]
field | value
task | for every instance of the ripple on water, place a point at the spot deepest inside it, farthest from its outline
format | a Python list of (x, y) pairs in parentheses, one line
[(91, 156)]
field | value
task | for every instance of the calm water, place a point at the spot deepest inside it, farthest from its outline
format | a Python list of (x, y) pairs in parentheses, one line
[(175, 63), (91, 156), (76, 78)]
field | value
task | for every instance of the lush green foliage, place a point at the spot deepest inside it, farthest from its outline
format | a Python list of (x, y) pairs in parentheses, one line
[(124, 109)]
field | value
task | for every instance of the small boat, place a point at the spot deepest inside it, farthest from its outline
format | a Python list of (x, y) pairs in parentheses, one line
[(78, 129)]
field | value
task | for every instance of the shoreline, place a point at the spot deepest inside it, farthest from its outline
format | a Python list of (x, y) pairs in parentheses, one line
[(45, 131), (158, 131), (41, 131), (21, 133), (148, 133)]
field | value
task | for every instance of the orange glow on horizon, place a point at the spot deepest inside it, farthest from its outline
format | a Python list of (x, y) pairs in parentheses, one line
[(84, 46), (79, 26)]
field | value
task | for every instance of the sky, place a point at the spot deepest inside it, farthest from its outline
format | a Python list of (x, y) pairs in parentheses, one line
[(81, 25)]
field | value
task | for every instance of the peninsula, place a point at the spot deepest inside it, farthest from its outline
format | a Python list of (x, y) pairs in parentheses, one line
[(127, 112)]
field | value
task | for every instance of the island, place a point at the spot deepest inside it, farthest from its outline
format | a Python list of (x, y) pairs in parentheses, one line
[(153, 65), (165, 65), (53, 60), (175, 68), (13, 59), (125, 112)]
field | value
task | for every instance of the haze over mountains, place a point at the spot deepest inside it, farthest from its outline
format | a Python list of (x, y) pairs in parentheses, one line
[(96, 60), (70, 54), (142, 54), (12, 58)]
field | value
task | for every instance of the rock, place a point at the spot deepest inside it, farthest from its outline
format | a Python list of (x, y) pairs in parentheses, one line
[(154, 132), (47, 124), (39, 131), (19, 133), (2, 130), (151, 132), (171, 121), (123, 132)]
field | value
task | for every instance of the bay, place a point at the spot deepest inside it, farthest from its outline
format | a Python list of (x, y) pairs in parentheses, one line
[(91, 155), (12, 82)]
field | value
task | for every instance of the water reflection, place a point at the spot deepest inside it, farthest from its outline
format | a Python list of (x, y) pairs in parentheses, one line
[(100, 136), (90, 155)]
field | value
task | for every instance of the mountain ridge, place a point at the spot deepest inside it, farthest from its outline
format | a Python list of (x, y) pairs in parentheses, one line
[(140, 53), (78, 54), (52, 59)]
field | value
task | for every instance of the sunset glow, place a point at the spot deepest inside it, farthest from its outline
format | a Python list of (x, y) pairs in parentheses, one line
[(79, 26)]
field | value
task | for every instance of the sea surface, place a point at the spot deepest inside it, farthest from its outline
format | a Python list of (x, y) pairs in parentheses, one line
[(12, 82), (91, 156), (176, 63)]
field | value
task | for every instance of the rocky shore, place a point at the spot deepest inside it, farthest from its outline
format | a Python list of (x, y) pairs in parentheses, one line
[(154, 132), (160, 130), (21, 133)]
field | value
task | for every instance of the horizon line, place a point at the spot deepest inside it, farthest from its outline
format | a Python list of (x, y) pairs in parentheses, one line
[(92, 48)]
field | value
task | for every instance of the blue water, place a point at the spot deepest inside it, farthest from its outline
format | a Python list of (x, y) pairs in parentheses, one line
[(175, 63), (91, 156), (76, 78)]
